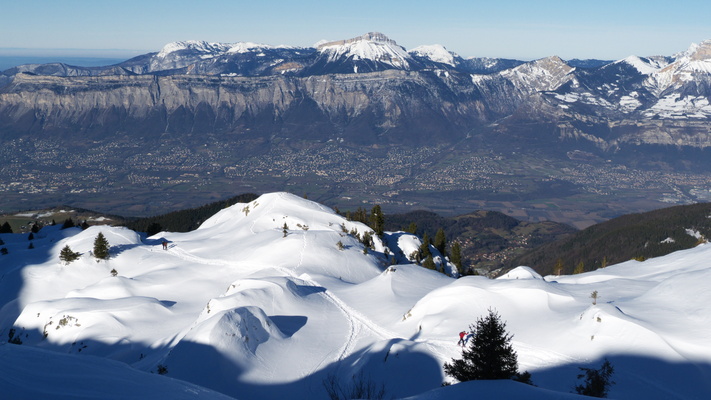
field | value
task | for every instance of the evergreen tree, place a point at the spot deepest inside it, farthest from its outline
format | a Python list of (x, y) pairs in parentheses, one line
[(4, 251), (68, 223), (412, 228), (360, 215), (597, 381), (377, 220), (153, 228), (31, 236), (425, 247), (558, 268), (429, 263), (456, 257), (579, 269), (67, 255), (440, 241), (489, 355), (5, 228), (35, 227), (31, 246), (367, 239), (101, 247)]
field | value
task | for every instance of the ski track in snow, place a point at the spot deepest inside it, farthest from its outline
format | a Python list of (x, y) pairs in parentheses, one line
[(357, 320)]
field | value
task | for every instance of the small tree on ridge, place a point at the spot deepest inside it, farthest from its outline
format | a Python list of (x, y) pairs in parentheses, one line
[(101, 247), (67, 255)]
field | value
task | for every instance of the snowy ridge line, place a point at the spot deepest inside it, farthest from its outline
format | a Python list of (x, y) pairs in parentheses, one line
[(254, 222)]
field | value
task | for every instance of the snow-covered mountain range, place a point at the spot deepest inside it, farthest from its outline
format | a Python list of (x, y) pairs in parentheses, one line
[(272, 298), (610, 105)]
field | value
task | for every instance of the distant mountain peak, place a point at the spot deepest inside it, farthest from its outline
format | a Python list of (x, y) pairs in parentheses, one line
[(373, 46), (700, 52), (645, 66), (435, 52), (550, 64), (544, 74), (207, 49), (376, 37), (194, 45)]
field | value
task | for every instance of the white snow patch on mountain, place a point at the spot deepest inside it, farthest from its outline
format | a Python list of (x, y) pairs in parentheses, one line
[(694, 233), (630, 102), (674, 106)]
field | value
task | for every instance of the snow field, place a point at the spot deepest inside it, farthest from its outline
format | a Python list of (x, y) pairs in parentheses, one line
[(238, 307)]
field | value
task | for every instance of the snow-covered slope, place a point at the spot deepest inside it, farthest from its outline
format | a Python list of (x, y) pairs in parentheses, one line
[(273, 298), (30, 373)]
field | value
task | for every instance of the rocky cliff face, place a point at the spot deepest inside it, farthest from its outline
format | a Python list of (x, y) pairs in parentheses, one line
[(383, 105)]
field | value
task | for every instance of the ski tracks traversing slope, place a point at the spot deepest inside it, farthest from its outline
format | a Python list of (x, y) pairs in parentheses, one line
[(356, 320)]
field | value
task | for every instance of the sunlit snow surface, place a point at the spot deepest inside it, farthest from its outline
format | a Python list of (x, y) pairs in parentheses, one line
[(245, 307)]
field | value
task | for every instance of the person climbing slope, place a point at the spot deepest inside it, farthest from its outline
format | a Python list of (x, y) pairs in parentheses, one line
[(461, 338)]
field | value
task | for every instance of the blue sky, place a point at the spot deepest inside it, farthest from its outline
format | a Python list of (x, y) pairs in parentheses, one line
[(526, 30)]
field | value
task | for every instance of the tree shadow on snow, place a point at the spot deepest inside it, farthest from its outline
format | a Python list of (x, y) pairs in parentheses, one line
[(396, 366), (636, 377)]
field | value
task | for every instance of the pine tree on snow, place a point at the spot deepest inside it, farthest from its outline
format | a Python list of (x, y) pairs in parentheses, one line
[(440, 241), (489, 355), (101, 247), (67, 255)]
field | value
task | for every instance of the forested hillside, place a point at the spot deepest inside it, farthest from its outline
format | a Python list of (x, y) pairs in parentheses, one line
[(488, 239), (638, 236)]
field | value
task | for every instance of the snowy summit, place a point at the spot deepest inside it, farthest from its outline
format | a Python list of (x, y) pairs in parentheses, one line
[(372, 46), (436, 53)]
